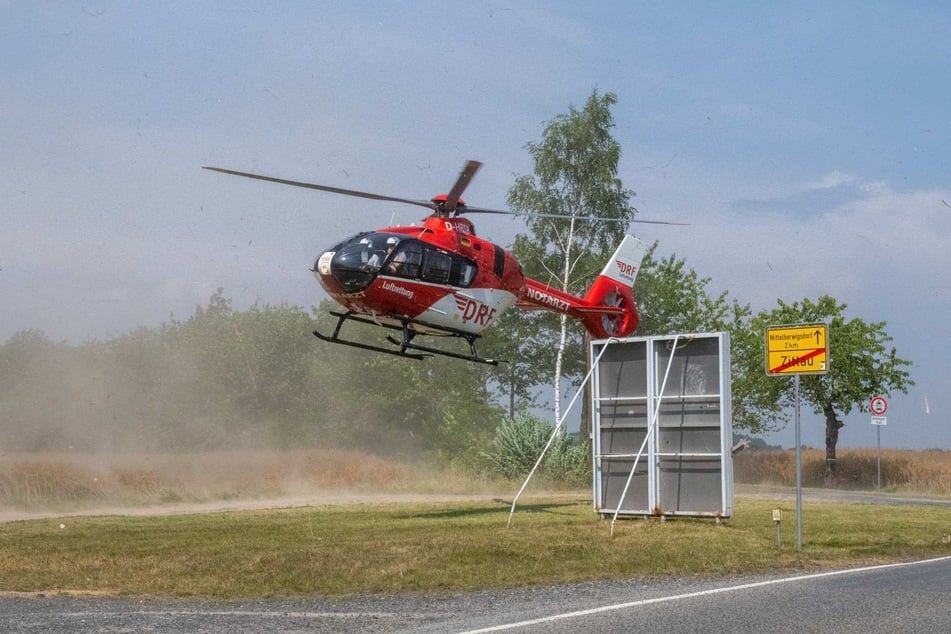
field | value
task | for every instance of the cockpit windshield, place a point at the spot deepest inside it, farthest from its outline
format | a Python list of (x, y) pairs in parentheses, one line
[(358, 261)]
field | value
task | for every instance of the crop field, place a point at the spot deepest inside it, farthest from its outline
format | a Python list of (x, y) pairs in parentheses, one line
[(926, 472)]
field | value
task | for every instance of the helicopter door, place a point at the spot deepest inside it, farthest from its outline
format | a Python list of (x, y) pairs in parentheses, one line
[(437, 265), (416, 260), (407, 260)]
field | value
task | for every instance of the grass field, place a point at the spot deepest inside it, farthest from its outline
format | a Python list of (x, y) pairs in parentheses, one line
[(336, 550)]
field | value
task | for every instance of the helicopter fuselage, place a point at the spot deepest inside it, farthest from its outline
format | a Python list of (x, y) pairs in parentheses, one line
[(440, 274)]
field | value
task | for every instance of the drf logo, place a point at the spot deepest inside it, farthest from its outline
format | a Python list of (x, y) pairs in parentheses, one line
[(474, 311), (626, 270)]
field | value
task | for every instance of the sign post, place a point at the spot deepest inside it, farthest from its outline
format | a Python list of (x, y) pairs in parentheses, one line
[(793, 350), (878, 406)]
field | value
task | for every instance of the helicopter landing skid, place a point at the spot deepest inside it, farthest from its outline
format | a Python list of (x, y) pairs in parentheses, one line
[(406, 345)]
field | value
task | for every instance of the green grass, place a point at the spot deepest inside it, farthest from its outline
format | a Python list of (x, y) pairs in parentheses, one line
[(335, 550)]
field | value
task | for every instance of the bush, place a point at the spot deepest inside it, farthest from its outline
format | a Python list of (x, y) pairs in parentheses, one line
[(519, 441)]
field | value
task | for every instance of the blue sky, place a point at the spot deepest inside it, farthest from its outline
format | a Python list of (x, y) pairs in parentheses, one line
[(807, 143)]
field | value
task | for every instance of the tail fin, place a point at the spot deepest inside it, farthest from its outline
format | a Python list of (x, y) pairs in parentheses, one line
[(611, 311)]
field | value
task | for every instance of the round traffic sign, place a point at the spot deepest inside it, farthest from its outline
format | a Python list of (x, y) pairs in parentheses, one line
[(878, 406)]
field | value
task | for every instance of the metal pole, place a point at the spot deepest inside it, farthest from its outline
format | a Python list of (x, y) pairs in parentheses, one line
[(558, 426), (798, 473), (651, 424), (878, 435)]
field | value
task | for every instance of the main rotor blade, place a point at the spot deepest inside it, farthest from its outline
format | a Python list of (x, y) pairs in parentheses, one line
[(452, 198), (481, 210), (326, 188)]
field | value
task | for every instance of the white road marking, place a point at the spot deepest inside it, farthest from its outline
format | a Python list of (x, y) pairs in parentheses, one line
[(691, 595)]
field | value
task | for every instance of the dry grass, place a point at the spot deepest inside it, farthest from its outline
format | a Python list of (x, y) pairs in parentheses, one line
[(926, 472), (71, 480), (74, 480)]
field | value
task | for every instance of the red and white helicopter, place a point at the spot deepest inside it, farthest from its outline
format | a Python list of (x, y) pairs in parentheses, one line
[(441, 279)]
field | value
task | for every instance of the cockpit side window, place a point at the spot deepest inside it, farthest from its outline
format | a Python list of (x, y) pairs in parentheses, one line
[(380, 246), (444, 267), (437, 265), (462, 271), (417, 260), (499, 261), (406, 261)]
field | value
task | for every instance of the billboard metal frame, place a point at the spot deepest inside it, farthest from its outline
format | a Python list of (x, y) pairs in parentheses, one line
[(661, 428)]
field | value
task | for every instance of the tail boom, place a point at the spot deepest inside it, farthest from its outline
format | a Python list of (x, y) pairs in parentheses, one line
[(608, 308)]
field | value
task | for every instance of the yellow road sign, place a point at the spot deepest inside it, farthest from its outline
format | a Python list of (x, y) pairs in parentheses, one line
[(797, 349)]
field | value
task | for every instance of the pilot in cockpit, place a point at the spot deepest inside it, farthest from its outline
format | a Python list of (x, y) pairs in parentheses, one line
[(376, 260)]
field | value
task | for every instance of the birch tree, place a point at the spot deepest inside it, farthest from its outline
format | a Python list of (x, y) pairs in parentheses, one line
[(575, 176)]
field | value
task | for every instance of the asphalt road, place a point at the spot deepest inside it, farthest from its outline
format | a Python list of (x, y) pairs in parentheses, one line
[(912, 597), (837, 495)]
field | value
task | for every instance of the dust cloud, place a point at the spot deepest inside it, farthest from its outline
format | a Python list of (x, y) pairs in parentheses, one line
[(184, 414)]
